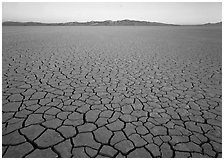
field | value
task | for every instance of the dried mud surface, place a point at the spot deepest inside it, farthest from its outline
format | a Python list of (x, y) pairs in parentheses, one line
[(111, 92)]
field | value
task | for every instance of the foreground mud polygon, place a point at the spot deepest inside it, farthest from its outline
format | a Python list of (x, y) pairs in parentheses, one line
[(111, 92)]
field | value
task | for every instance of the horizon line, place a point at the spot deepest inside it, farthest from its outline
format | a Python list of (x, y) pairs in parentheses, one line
[(109, 20)]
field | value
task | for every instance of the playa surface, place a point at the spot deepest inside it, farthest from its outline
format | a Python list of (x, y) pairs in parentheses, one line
[(111, 92)]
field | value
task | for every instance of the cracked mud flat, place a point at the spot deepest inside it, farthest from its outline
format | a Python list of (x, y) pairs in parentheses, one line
[(111, 92)]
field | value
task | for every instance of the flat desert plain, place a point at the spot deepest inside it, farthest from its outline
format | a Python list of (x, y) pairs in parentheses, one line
[(113, 91)]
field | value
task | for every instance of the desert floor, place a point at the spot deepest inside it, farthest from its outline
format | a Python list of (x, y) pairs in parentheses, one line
[(111, 91)]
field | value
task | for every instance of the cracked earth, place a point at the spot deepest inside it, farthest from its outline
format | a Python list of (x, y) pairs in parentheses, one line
[(111, 92)]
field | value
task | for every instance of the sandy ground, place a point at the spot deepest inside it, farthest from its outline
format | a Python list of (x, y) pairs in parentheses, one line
[(111, 92)]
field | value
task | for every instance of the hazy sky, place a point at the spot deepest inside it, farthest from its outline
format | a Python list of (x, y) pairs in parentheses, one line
[(169, 12)]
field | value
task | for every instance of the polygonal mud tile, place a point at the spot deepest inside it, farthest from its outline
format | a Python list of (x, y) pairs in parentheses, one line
[(86, 127), (108, 151), (149, 125), (189, 146), (138, 106), (192, 127), (101, 122), (38, 95), (31, 132), (141, 130), (127, 109), (28, 92), (148, 138), (45, 101), (129, 129), (165, 138), (41, 110), (162, 120), (74, 123), (53, 123), (15, 98), (115, 117), (207, 148), (7, 116), (154, 149), (106, 114), (101, 156), (67, 131), (137, 140), (139, 153), (174, 132), (84, 108), (48, 138), (48, 117), (91, 152), (98, 107), (214, 134), (42, 153), (53, 111), (63, 115), (182, 154), (75, 116), (195, 139), (34, 119), (11, 106), (158, 130), (198, 155), (12, 127), (217, 146), (179, 139), (116, 125), (128, 118), (117, 137), (85, 139), (166, 150), (183, 112), (102, 135), (92, 115), (79, 153), (25, 86), (13, 138), (64, 148), (18, 151), (124, 146), (33, 107), (139, 113), (120, 155), (181, 147)]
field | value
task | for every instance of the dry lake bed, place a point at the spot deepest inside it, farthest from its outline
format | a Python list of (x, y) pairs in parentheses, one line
[(111, 91)]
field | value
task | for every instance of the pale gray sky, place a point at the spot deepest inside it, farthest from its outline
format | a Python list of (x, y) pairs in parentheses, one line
[(166, 12)]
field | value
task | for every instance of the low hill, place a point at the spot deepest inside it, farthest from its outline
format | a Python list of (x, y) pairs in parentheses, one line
[(125, 22), (91, 23), (213, 24)]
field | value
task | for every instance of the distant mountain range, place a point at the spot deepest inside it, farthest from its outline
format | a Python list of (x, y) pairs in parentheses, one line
[(125, 22)]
